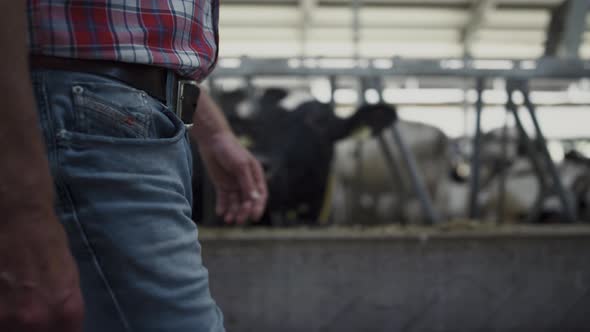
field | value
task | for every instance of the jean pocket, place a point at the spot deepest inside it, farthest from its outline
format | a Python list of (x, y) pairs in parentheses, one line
[(113, 113), (110, 110)]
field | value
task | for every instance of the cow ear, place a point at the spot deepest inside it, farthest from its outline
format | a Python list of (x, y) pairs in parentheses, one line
[(377, 116), (378, 112), (274, 95), (234, 96)]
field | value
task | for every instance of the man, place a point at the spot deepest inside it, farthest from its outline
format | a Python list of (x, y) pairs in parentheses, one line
[(101, 186)]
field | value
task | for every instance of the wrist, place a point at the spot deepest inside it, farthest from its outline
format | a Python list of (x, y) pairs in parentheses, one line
[(209, 122), (207, 136)]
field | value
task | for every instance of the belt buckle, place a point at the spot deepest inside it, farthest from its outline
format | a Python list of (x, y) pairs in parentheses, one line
[(186, 100)]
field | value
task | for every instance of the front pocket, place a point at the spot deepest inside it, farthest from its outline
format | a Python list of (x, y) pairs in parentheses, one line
[(127, 117), (115, 114)]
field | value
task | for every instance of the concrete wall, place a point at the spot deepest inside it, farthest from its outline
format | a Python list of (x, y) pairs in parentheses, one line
[(499, 281)]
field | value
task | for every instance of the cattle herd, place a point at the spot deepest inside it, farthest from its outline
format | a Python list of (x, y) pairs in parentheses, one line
[(323, 169)]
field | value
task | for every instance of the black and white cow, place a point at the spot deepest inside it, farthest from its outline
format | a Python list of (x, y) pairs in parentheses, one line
[(295, 143), (368, 190), (522, 185)]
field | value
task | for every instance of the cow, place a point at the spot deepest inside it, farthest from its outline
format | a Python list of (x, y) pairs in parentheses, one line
[(522, 186), (369, 190), (295, 144)]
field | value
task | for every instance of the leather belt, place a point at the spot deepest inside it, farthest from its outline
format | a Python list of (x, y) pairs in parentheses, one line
[(151, 79)]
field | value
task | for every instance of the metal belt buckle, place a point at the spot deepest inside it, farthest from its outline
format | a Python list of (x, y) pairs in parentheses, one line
[(186, 100)]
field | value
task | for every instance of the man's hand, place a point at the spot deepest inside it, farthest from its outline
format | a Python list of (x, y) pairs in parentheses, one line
[(237, 176), (39, 287)]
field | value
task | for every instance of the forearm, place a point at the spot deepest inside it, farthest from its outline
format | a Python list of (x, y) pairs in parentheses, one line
[(208, 119), (25, 183), (238, 178)]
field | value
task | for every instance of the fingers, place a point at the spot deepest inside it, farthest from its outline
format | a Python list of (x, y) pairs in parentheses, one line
[(233, 207), (249, 200), (261, 194), (244, 212), (248, 192), (246, 181), (40, 317), (221, 203), (253, 192), (236, 209), (71, 316)]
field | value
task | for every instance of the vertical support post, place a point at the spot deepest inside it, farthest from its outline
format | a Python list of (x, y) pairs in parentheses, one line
[(250, 89), (503, 173), (307, 8), (407, 156), (466, 107), (333, 82), (418, 184), (541, 167), (524, 138), (356, 8), (358, 151), (478, 15), (475, 158), (557, 185), (395, 168), (566, 29), (530, 151)]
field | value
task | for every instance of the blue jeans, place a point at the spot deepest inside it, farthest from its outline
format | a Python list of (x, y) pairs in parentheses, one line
[(121, 166)]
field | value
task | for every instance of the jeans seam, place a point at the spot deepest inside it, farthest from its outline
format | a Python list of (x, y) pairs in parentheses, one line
[(55, 159), (70, 203), (189, 157), (46, 120)]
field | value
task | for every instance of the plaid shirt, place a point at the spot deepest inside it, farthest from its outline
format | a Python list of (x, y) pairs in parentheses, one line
[(177, 34)]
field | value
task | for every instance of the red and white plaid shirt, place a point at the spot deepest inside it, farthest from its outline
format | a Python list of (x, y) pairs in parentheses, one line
[(177, 34)]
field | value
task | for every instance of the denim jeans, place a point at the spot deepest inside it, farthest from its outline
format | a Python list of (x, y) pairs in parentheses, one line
[(121, 166)]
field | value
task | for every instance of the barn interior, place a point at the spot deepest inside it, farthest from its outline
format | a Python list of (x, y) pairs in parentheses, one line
[(428, 165)]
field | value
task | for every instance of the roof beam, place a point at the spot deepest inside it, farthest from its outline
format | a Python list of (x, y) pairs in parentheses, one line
[(356, 26), (565, 32), (478, 14), (307, 8), (545, 68)]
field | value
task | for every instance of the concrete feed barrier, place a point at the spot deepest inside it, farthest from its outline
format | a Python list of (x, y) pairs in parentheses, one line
[(517, 279)]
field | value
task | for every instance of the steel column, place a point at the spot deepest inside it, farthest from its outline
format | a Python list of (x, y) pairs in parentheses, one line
[(418, 184), (475, 154)]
